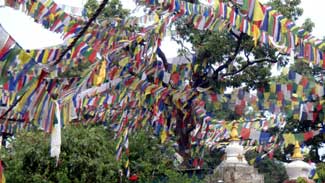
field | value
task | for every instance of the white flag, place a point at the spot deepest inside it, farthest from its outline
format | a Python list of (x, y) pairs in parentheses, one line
[(166, 77), (56, 134)]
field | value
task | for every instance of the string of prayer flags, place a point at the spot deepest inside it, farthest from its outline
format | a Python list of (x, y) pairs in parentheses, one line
[(259, 21), (290, 138)]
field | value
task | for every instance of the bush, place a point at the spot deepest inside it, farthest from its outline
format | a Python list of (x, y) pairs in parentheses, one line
[(88, 154)]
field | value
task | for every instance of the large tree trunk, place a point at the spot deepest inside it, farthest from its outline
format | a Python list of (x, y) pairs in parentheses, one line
[(184, 126)]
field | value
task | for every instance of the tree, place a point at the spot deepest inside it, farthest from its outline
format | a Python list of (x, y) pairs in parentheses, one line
[(87, 155), (153, 162), (229, 58), (226, 59), (289, 8)]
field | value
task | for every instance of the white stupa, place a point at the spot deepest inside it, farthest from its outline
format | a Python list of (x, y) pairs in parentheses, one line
[(234, 167), (234, 151), (297, 168)]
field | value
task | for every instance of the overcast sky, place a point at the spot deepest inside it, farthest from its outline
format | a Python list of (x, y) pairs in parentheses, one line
[(31, 35)]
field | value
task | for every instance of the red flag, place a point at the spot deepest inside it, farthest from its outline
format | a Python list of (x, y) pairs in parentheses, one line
[(9, 43), (245, 132), (308, 135), (304, 81), (175, 78)]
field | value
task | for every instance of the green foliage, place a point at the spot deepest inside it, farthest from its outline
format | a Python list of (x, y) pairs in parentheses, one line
[(301, 180), (289, 8), (87, 155), (112, 9), (153, 162), (272, 170), (213, 158), (302, 67), (228, 58), (308, 25), (217, 52), (76, 71), (321, 171)]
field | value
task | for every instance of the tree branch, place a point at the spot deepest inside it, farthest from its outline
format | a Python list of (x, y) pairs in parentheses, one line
[(249, 64), (82, 32), (183, 46), (248, 52), (230, 59)]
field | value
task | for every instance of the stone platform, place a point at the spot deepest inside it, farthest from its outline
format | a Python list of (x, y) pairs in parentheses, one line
[(236, 173), (239, 173)]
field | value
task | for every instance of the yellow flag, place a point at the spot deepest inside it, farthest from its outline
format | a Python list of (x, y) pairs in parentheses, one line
[(124, 61), (25, 97), (34, 6), (252, 161), (196, 66), (23, 57), (11, 99), (39, 109), (228, 12), (316, 176), (156, 17), (51, 17), (273, 88), (134, 84), (258, 12), (45, 56), (111, 40), (102, 72), (3, 178), (256, 34), (163, 136), (122, 95), (283, 25), (127, 164), (266, 95), (289, 138), (300, 90), (216, 4), (250, 30), (321, 46), (285, 71), (266, 104), (296, 116), (47, 3), (148, 90)]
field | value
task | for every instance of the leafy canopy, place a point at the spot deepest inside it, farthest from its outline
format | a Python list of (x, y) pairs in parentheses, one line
[(88, 154)]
